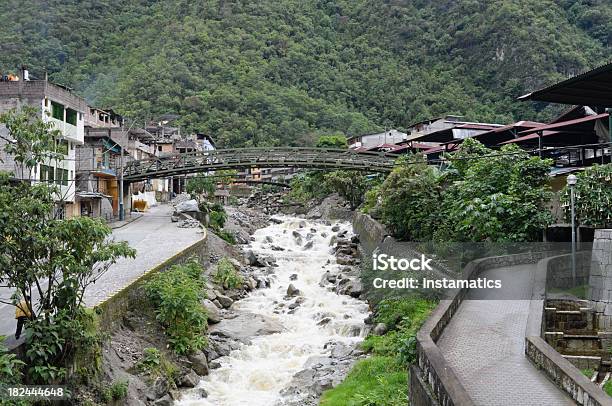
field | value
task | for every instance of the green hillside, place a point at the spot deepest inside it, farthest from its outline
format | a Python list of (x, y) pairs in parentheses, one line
[(280, 72)]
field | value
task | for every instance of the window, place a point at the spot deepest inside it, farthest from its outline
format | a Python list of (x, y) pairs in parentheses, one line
[(71, 116), (62, 176), (57, 111), (159, 148), (61, 147), (46, 173)]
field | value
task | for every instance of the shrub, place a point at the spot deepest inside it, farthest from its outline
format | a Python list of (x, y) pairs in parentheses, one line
[(176, 295), (10, 366), (116, 391), (227, 276), (227, 236), (153, 363)]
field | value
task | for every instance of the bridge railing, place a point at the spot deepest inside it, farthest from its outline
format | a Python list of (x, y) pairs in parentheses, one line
[(259, 157)]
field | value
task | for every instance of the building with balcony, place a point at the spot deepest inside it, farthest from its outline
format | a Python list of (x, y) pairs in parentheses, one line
[(97, 163), (66, 111)]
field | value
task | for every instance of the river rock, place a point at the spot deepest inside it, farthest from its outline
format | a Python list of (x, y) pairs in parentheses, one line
[(354, 288), (203, 393), (293, 277), (164, 401), (189, 205), (212, 312), (190, 380), (335, 228), (225, 301), (292, 290), (251, 258), (380, 329), (199, 363), (245, 326), (268, 239), (308, 245)]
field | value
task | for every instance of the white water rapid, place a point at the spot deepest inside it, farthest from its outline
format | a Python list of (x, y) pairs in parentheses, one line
[(255, 374)]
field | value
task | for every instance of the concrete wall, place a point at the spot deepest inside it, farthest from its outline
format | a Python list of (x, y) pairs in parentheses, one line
[(600, 283)]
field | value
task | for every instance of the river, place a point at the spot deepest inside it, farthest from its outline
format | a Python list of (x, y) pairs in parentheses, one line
[(255, 373)]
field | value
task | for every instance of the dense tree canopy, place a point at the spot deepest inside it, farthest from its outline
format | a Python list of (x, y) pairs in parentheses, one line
[(283, 72)]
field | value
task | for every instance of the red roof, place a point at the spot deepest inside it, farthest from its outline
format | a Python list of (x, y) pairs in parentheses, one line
[(564, 124), (391, 147)]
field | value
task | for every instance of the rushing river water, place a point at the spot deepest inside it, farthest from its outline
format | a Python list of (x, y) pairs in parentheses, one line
[(254, 374)]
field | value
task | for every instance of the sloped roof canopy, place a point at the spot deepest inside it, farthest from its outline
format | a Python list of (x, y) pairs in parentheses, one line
[(592, 88)]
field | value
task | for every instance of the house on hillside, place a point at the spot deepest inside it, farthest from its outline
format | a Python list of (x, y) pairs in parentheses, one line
[(392, 136)]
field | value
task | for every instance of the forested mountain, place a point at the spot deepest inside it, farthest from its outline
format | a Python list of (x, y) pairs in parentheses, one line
[(280, 72)]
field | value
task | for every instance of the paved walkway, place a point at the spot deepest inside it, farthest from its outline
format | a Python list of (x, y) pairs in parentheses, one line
[(155, 239), (484, 345)]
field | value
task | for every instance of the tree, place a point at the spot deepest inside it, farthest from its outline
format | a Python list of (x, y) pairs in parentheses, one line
[(332, 141), (200, 185), (350, 185), (593, 197), (410, 199), (496, 195), (48, 263)]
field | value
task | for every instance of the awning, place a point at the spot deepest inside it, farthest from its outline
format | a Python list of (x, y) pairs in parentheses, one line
[(592, 88)]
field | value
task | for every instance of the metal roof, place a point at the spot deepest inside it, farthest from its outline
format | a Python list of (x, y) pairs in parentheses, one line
[(592, 88), (565, 125)]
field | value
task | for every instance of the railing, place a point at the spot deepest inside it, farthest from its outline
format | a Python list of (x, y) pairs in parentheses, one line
[(68, 130), (317, 158)]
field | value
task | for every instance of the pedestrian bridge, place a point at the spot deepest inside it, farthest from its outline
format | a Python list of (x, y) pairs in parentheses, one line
[(242, 158)]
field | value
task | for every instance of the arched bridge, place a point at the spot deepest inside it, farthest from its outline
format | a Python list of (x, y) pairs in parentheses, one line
[(241, 158)]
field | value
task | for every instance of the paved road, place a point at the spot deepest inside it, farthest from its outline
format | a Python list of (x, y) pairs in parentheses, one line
[(484, 345), (155, 239)]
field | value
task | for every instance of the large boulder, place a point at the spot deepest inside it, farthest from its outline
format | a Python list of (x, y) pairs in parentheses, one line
[(199, 363), (190, 380), (212, 312), (292, 290), (245, 326), (189, 205), (225, 301)]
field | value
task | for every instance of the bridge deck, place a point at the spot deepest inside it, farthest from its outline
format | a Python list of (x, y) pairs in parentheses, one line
[(484, 345)]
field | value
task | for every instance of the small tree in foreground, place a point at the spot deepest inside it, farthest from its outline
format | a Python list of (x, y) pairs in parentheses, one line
[(47, 263)]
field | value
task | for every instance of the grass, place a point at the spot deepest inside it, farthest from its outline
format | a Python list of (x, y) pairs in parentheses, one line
[(375, 381), (608, 387), (382, 379), (579, 292)]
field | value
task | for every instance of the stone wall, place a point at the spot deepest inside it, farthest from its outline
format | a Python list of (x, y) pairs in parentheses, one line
[(371, 232), (564, 374), (600, 283)]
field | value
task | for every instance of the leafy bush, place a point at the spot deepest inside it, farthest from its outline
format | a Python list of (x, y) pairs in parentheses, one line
[(10, 366), (410, 199), (593, 197), (116, 391), (227, 236), (227, 276), (176, 295), (153, 363)]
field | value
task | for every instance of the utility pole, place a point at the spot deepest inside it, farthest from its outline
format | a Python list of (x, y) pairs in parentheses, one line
[(571, 182)]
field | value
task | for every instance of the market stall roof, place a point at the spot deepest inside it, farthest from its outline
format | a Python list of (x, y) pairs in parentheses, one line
[(592, 88)]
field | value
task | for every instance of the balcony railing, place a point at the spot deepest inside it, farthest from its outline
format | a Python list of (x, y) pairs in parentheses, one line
[(68, 130)]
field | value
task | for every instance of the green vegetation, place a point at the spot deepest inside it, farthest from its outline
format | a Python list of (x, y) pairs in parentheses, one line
[(608, 387), (282, 72), (155, 364), (116, 391), (10, 366), (374, 381), (55, 258), (588, 372), (483, 196), (176, 295), (381, 379), (227, 276), (593, 195)]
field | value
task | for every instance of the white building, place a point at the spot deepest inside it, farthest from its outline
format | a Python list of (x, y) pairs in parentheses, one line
[(66, 111), (392, 136)]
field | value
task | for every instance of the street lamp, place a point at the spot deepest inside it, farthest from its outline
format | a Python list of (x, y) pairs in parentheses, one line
[(571, 182)]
